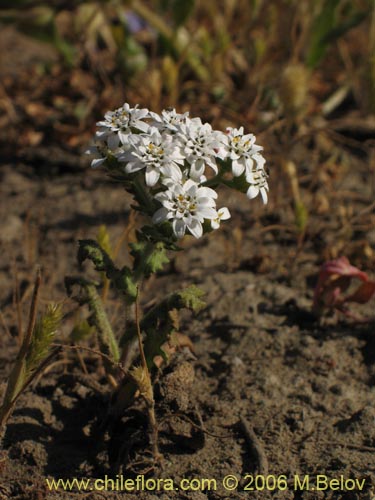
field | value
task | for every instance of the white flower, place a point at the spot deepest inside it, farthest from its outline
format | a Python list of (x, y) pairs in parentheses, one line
[(222, 214), (186, 205), (201, 146), (122, 121), (102, 149), (258, 184), (158, 153), (173, 151), (169, 120), (243, 151), (185, 177)]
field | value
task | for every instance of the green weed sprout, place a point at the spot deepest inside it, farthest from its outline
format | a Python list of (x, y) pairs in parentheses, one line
[(172, 165)]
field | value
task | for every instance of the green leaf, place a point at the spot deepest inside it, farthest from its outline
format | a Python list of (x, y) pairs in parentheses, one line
[(326, 30), (345, 26), (125, 282), (238, 183), (321, 26), (122, 279), (162, 233), (71, 282), (149, 257), (65, 48), (81, 331), (191, 298), (181, 10), (90, 249), (158, 324)]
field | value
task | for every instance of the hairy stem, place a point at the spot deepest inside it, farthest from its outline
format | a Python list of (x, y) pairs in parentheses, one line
[(106, 334), (149, 393)]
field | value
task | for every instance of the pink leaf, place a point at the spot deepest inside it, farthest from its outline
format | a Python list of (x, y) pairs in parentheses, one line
[(334, 279), (342, 267), (363, 293)]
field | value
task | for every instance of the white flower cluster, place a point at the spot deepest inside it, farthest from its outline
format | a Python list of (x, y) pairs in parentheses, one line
[(175, 152)]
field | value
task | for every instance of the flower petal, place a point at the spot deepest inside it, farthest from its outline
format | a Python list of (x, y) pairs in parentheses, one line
[(97, 162), (179, 227), (152, 176), (264, 194), (237, 167), (252, 192), (160, 215), (195, 227), (207, 212), (224, 213)]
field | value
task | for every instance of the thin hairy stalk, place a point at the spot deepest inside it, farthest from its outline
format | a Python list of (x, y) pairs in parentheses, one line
[(89, 295), (106, 333), (147, 389), (93, 351)]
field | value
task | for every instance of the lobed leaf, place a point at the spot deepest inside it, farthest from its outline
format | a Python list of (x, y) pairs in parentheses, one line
[(149, 257)]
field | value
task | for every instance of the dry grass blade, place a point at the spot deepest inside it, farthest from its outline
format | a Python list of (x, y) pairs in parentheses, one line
[(33, 355)]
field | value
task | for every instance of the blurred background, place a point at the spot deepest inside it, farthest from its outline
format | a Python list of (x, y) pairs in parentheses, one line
[(241, 62), (300, 74)]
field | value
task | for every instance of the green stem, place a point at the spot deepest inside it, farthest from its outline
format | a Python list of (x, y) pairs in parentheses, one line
[(88, 294), (218, 179), (143, 197), (106, 334)]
